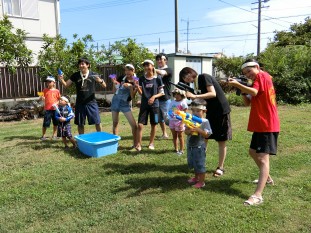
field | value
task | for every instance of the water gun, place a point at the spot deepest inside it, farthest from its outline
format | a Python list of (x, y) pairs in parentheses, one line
[(188, 119), (55, 106), (60, 72), (40, 93)]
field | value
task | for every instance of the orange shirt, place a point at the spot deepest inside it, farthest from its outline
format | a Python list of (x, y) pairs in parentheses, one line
[(264, 115), (51, 97)]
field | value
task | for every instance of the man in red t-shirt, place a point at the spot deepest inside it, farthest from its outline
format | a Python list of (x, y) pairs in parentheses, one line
[(263, 122)]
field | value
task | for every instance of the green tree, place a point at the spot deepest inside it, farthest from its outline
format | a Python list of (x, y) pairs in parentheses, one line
[(13, 49), (129, 52), (229, 66), (57, 53), (299, 34)]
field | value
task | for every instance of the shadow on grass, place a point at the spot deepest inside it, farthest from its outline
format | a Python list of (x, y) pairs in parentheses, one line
[(138, 168), (21, 137)]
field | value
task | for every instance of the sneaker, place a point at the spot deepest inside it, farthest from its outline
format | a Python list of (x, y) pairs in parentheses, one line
[(43, 138), (198, 185), (180, 152), (163, 137), (192, 180), (151, 147)]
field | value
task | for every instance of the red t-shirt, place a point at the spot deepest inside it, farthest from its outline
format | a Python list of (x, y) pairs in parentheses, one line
[(263, 115), (51, 97)]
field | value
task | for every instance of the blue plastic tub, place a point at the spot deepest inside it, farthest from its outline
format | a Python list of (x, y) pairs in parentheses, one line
[(98, 144)]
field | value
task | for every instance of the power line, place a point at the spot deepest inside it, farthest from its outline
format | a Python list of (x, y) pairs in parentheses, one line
[(194, 28)]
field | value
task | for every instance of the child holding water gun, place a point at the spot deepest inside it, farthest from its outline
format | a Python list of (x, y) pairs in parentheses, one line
[(177, 127), (196, 155), (50, 96), (64, 114)]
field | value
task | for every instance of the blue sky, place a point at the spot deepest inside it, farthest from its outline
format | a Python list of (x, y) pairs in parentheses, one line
[(214, 25)]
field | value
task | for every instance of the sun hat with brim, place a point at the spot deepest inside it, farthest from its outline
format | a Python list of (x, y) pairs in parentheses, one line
[(145, 62), (50, 79), (180, 92)]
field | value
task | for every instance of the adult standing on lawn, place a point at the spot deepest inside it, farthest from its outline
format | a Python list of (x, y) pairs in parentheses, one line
[(86, 106), (164, 101), (218, 112), (263, 122)]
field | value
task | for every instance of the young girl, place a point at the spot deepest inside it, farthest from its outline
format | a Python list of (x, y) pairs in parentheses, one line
[(176, 126), (50, 96), (121, 102)]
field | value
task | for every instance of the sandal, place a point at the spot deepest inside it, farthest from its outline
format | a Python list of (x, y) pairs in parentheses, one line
[(218, 172), (271, 182), (253, 200)]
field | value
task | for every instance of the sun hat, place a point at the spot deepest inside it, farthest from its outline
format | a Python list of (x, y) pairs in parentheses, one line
[(178, 91), (130, 66), (50, 78)]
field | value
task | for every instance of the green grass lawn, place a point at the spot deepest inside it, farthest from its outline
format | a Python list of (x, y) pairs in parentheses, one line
[(46, 189)]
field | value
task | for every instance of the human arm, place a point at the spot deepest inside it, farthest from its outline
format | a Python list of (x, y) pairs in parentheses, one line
[(244, 89), (100, 81), (63, 82), (161, 72), (211, 93)]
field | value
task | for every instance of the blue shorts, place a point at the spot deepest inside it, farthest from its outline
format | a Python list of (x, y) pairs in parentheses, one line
[(196, 157), (48, 116), (89, 110), (118, 104), (64, 130), (163, 109)]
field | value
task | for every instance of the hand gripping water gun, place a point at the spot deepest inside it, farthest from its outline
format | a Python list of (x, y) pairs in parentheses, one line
[(188, 119), (60, 72), (55, 106)]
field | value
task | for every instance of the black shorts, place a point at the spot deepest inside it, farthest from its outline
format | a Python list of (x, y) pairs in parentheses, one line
[(145, 111), (265, 142), (221, 127), (89, 111)]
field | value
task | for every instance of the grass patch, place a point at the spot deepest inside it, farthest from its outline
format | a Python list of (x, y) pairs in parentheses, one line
[(46, 189)]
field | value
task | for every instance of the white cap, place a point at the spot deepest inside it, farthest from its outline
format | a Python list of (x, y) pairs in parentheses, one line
[(130, 66), (50, 78), (147, 62)]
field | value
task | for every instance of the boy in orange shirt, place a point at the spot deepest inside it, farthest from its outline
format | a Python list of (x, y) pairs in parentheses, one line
[(50, 96)]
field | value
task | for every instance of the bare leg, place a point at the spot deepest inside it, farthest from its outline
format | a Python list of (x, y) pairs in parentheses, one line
[(65, 141), (163, 128), (174, 134), (54, 131), (43, 131), (115, 122), (139, 135), (222, 151), (98, 127), (152, 134), (253, 154), (180, 136), (130, 118), (81, 129)]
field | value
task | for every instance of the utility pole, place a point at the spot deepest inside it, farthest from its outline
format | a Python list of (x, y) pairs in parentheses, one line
[(259, 22), (176, 26), (187, 33)]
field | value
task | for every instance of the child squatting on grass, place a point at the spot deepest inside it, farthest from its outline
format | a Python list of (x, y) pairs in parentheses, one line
[(196, 154), (64, 114), (177, 127), (263, 122)]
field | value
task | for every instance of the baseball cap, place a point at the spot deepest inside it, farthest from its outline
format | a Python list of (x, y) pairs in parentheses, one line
[(50, 78), (147, 62)]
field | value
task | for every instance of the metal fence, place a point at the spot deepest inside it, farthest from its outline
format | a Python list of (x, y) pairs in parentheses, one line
[(26, 82)]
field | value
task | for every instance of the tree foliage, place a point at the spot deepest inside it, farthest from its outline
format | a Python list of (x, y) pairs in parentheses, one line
[(299, 34), (129, 52), (13, 49), (57, 53)]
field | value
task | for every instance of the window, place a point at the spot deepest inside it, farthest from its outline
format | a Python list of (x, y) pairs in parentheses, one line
[(12, 7), (21, 8)]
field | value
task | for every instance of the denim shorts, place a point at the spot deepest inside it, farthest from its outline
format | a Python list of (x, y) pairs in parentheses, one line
[(48, 116), (118, 104), (163, 109), (196, 157)]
